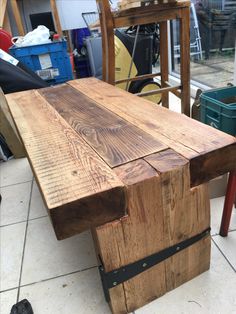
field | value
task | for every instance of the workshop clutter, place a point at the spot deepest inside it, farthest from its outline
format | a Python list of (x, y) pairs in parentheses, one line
[(49, 59)]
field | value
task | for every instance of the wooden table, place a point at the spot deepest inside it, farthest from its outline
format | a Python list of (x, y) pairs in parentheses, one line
[(134, 173)]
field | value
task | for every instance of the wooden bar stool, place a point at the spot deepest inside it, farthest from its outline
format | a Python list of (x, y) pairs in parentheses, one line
[(230, 200), (152, 13)]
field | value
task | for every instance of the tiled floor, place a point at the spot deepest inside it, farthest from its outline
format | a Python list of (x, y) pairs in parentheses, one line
[(61, 277)]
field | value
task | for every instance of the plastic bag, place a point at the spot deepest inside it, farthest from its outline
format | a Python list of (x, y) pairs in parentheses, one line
[(38, 36)]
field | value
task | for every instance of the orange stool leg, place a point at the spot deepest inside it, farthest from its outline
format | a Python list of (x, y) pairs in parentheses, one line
[(228, 205)]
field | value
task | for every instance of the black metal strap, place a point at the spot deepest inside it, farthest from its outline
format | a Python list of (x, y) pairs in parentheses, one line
[(113, 278)]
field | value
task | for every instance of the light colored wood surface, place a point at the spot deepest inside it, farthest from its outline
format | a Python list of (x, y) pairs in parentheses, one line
[(18, 20), (56, 17), (66, 168), (8, 130), (3, 6), (208, 150)]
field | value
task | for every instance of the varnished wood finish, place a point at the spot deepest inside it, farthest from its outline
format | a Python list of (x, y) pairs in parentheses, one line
[(131, 171), (104, 131), (210, 152), (67, 169)]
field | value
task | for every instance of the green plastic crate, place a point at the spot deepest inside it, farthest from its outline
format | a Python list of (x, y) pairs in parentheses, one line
[(218, 109)]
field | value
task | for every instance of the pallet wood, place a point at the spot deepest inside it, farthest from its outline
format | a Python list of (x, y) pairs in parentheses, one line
[(71, 176), (203, 146), (101, 128), (8, 130)]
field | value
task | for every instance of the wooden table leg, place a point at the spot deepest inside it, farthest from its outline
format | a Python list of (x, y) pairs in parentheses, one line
[(162, 211), (184, 61), (228, 205), (164, 61)]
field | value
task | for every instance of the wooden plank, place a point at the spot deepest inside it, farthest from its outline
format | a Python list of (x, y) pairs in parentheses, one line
[(162, 211), (186, 213), (164, 62), (114, 139), (78, 188), (56, 17), (202, 145), (3, 7), (134, 237), (16, 13), (8, 130), (185, 61)]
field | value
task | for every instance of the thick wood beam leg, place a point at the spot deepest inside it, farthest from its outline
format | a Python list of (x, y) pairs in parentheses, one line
[(162, 211), (164, 61), (228, 205), (184, 61)]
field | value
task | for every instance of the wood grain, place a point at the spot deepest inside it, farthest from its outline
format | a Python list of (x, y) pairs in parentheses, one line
[(202, 145), (104, 131), (3, 7), (17, 16), (69, 173), (162, 211)]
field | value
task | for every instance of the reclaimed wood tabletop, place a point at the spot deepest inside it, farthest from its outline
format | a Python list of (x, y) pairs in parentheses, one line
[(78, 134), (133, 172)]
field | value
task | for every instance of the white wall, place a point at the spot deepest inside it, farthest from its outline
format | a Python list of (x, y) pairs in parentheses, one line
[(69, 11)]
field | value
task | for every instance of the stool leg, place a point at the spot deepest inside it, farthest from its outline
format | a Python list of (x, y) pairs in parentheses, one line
[(228, 205)]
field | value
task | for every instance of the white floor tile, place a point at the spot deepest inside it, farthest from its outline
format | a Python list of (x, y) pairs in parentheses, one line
[(7, 300), (15, 171), (217, 205), (77, 293), (228, 246), (210, 293), (37, 207), (11, 248), (15, 203), (46, 257)]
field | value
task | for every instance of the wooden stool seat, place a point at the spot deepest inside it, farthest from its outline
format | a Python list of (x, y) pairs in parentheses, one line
[(161, 14)]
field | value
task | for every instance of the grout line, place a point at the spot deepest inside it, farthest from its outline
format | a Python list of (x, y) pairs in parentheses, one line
[(8, 185), (59, 276), (15, 223), (224, 255), (23, 252), (10, 289), (217, 234)]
